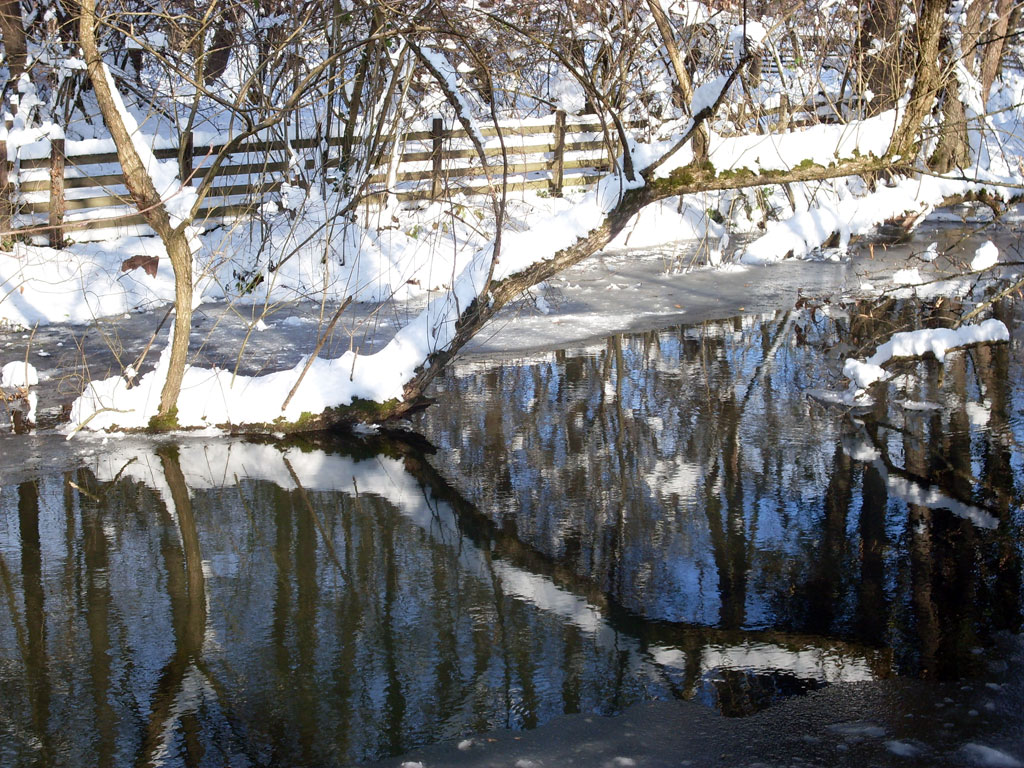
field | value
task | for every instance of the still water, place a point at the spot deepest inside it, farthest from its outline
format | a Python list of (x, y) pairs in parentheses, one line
[(673, 514)]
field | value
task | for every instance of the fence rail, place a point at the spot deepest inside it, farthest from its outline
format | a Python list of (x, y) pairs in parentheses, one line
[(60, 192)]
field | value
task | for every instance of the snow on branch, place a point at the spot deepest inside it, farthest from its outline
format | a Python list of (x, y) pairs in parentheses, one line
[(935, 341)]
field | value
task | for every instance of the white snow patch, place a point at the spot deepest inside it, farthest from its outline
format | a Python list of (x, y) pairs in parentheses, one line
[(979, 413), (910, 276), (937, 341), (902, 748), (18, 373), (918, 405), (985, 257)]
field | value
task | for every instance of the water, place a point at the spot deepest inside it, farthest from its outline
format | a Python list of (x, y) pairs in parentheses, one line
[(663, 515), (688, 475)]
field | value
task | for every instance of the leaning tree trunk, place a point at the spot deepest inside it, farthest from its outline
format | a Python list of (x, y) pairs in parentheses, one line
[(683, 83), (150, 206), (992, 53), (689, 180)]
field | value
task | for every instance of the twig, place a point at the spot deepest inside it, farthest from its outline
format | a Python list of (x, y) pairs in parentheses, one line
[(1018, 285), (93, 415), (316, 351), (142, 357)]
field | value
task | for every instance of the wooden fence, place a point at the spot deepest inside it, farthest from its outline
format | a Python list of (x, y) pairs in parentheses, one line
[(61, 192)]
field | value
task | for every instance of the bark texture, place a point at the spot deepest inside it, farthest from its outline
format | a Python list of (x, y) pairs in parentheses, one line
[(995, 45), (682, 82), (928, 80), (12, 28), (148, 201)]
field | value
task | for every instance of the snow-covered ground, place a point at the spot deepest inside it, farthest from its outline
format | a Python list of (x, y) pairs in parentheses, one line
[(438, 256)]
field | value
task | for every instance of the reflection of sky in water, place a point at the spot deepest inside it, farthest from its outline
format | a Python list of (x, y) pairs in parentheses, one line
[(685, 472), (660, 516)]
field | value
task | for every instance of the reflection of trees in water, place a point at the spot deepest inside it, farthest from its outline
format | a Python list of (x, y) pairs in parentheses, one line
[(666, 476), (292, 627), (684, 473), (307, 626)]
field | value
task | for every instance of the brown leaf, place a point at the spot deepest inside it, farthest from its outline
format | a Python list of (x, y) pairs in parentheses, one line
[(148, 264)]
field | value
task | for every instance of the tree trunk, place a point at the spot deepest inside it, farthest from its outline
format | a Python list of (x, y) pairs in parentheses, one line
[(219, 55), (953, 149), (683, 181), (684, 86), (928, 80), (885, 71), (150, 206), (12, 28), (995, 44)]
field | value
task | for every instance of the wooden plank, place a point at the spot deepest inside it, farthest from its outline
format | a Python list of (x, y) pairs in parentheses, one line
[(488, 131), (530, 149), (244, 169), (82, 203), (115, 201), (476, 170), (114, 220), (227, 211), (517, 186), (76, 182), (252, 190)]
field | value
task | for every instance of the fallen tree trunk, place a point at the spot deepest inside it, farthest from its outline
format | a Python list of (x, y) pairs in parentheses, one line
[(684, 181)]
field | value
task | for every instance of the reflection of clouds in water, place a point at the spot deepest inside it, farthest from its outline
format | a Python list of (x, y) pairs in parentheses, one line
[(217, 464)]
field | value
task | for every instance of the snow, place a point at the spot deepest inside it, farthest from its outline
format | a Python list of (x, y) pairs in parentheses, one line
[(213, 397), (932, 497), (176, 197), (705, 96), (935, 341), (450, 83), (910, 276), (986, 257), (18, 373), (807, 230), (297, 248)]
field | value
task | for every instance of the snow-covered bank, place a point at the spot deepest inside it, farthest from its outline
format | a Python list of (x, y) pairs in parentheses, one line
[(444, 252)]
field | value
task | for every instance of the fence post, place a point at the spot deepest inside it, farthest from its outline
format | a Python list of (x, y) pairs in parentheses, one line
[(185, 158), (437, 134), (57, 193), (6, 203), (558, 162)]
